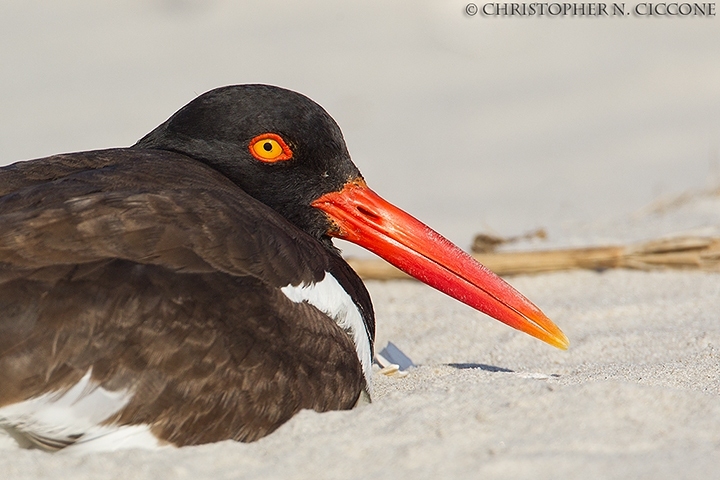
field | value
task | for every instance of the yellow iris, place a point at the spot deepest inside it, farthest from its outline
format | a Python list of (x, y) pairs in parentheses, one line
[(267, 148), (270, 147)]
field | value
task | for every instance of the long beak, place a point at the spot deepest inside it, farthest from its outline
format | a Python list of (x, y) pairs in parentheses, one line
[(360, 216)]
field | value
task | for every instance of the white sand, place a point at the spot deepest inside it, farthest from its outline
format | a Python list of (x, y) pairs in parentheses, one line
[(636, 396), (506, 125)]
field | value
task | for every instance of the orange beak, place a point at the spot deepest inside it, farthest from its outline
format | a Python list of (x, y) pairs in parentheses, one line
[(360, 216)]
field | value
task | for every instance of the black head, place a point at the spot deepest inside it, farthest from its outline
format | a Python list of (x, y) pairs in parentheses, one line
[(220, 127), (306, 175)]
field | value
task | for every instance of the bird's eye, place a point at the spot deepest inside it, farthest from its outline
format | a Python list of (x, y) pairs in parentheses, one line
[(270, 147)]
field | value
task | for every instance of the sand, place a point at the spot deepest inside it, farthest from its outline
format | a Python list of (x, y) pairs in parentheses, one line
[(636, 396), (500, 125)]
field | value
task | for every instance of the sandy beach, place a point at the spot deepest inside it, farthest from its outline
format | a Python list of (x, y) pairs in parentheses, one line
[(600, 130), (636, 396)]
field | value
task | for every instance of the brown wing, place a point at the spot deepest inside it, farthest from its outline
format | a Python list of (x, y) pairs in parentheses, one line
[(161, 276), (148, 206)]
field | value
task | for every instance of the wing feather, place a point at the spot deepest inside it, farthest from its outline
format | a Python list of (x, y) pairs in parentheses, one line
[(152, 271)]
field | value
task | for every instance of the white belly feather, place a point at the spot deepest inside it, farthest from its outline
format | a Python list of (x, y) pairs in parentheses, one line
[(73, 420), (330, 297)]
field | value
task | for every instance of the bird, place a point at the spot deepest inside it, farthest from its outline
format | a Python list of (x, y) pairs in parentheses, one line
[(186, 289)]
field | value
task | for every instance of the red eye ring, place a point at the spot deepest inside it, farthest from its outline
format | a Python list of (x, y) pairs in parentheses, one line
[(269, 148)]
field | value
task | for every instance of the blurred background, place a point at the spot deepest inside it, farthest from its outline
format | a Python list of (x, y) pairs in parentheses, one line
[(471, 124)]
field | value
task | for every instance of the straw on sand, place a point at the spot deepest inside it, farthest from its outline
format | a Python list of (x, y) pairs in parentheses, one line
[(688, 252)]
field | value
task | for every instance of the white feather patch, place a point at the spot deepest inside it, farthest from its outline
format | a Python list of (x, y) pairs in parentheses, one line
[(329, 297), (74, 418)]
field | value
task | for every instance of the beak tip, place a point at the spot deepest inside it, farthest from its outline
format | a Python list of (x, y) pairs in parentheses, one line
[(561, 341)]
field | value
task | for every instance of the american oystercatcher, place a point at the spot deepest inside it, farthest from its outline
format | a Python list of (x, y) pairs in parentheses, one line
[(186, 290)]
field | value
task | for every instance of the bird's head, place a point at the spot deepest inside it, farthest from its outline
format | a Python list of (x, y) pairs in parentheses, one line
[(286, 151)]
